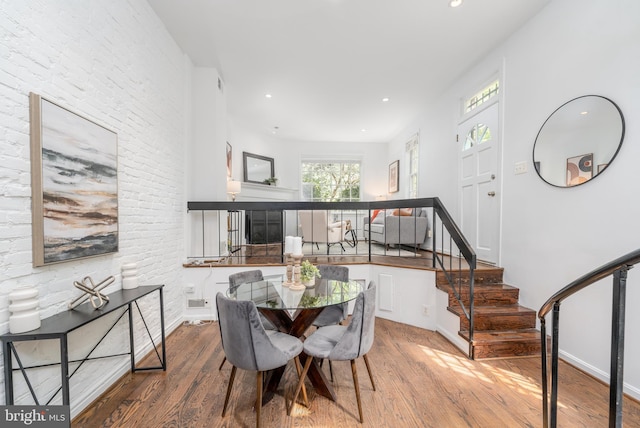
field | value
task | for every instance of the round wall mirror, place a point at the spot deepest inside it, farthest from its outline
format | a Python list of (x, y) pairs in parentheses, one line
[(578, 141)]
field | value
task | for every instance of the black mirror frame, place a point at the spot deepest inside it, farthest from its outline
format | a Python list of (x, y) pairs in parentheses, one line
[(536, 166)]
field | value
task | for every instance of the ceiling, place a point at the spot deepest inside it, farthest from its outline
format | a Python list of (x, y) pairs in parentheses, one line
[(329, 63)]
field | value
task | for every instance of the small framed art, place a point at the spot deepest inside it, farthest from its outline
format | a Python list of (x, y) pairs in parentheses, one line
[(394, 177)]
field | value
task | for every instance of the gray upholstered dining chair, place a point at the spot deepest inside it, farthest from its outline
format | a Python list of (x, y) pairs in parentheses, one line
[(334, 314), (235, 280), (247, 345), (337, 313), (344, 343)]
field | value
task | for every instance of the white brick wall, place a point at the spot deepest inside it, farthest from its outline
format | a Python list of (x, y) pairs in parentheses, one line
[(113, 62)]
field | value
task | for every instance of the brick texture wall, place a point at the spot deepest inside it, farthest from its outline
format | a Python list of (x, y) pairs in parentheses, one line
[(113, 62)]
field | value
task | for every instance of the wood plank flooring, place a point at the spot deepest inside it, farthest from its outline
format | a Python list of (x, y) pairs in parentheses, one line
[(422, 380)]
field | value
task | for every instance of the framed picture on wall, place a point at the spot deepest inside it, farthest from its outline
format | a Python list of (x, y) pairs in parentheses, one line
[(229, 160), (74, 185), (579, 169), (394, 176)]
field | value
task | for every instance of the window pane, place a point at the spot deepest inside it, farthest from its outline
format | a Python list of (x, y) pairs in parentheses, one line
[(483, 96), (331, 181)]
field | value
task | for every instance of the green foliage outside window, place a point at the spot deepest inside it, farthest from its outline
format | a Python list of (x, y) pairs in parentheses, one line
[(331, 181)]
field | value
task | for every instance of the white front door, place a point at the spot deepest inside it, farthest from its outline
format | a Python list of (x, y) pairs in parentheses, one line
[(479, 145)]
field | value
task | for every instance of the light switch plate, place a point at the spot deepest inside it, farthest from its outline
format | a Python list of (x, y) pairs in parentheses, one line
[(520, 167)]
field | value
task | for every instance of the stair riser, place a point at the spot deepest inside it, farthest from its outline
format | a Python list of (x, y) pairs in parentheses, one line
[(488, 299), (518, 349), (500, 322), (480, 277)]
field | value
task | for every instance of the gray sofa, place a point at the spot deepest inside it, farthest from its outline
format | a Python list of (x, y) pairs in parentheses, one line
[(398, 229)]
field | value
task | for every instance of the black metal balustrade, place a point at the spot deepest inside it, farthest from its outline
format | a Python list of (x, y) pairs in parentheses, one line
[(617, 268), (450, 251)]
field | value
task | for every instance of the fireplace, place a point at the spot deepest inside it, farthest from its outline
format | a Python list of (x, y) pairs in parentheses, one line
[(263, 227)]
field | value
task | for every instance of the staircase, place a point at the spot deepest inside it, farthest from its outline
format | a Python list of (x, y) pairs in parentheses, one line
[(503, 328)]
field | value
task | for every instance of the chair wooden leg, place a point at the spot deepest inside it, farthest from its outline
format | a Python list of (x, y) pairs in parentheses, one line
[(226, 399), (366, 361), (307, 364), (222, 363), (356, 385), (259, 387), (304, 388)]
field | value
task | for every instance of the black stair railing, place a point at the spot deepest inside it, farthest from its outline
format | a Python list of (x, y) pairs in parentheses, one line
[(452, 254), (618, 269)]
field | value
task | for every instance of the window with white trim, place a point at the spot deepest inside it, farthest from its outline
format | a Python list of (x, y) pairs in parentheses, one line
[(330, 181)]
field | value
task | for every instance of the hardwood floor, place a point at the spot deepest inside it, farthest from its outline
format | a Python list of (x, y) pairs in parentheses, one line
[(422, 380)]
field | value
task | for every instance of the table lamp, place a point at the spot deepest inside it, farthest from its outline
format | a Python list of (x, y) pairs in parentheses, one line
[(233, 188)]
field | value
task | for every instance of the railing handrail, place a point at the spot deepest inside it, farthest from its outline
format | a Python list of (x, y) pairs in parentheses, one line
[(305, 205), (455, 232), (603, 271)]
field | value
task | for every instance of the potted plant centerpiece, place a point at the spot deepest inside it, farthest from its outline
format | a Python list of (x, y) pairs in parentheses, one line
[(308, 273)]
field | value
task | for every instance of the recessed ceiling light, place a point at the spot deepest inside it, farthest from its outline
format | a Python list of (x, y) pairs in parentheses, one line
[(267, 95), (385, 99), (584, 113), (455, 3), (363, 130)]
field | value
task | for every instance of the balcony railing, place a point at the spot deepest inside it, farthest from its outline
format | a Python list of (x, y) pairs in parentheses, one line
[(224, 232)]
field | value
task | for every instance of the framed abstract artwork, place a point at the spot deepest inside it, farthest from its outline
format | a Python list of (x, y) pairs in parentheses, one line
[(74, 185), (229, 160), (579, 169), (394, 177)]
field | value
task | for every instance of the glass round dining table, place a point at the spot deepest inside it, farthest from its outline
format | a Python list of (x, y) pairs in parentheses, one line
[(293, 312)]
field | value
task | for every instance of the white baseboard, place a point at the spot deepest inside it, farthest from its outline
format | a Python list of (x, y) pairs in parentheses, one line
[(119, 370), (455, 339), (628, 389)]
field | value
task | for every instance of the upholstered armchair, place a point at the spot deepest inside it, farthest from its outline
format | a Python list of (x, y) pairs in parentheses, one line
[(315, 227)]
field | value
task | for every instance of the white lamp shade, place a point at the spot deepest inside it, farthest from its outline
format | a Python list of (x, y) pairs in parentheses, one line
[(234, 186)]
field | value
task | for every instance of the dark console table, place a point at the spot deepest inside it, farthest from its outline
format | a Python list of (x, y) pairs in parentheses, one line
[(60, 325)]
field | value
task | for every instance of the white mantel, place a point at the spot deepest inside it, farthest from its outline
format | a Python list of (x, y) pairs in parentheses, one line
[(263, 192)]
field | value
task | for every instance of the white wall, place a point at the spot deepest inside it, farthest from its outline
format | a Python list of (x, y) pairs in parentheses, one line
[(574, 48), (551, 236), (113, 62), (207, 172)]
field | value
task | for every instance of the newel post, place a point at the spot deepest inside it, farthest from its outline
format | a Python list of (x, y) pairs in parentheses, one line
[(617, 347)]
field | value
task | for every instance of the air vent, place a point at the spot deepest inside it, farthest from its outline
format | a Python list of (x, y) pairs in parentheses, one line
[(196, 303)]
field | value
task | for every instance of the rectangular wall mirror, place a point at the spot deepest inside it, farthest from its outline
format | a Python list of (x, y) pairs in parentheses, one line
[(257, 168)]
